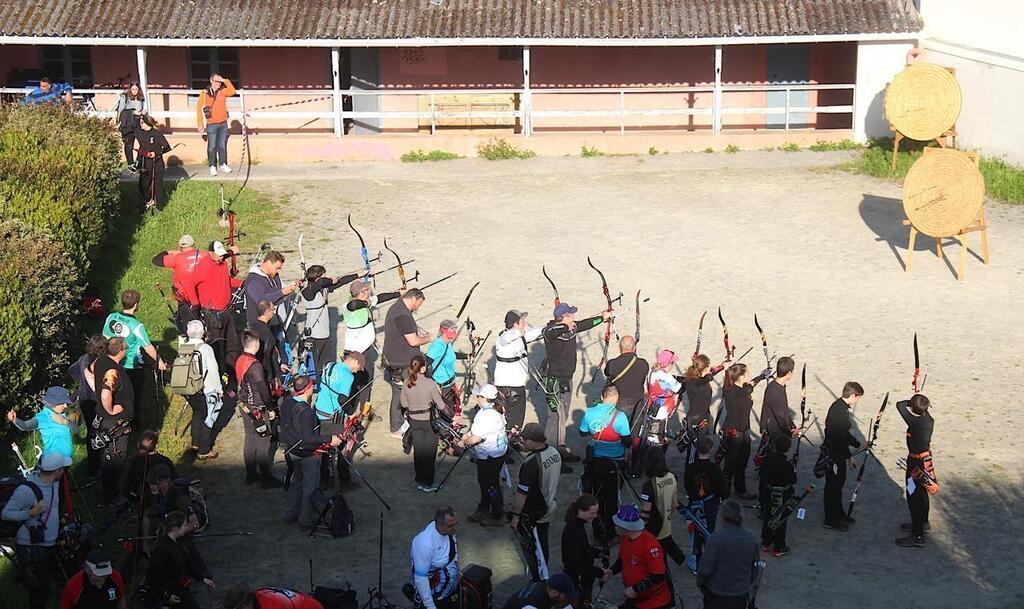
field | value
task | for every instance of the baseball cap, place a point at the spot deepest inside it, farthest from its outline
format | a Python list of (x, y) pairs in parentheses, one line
[(560, 582), (628, 517), (52, 461), (667, 357), (534, 432), (56, 395), (98, 563), (186, 241), (487, 391), (513, 317), (563, 309), (358, 286), (218, 248)]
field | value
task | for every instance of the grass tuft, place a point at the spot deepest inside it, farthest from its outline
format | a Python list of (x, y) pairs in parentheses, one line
[(790, 147), (498, 149), (823, 146), (422, 156), (652, 151), (732, 148), (589, 153)]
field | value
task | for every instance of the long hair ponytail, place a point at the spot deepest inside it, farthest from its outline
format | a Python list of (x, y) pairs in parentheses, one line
[(697, 368), (416, 367), (734, 374)]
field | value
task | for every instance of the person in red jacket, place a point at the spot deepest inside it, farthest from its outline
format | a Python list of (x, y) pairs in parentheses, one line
[(96, 586), (214, 287), (185, 266), (244, 597), (641, 562)]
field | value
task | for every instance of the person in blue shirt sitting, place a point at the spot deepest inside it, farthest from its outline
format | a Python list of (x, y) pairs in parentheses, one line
[(48, 92), (609, 433), (54, 426)]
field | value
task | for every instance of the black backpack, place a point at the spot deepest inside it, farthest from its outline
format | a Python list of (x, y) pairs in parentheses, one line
[(8, 484), (335, 513)]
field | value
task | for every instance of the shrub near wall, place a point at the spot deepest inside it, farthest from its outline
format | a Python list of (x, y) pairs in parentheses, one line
[(59, 172), (40, 293)]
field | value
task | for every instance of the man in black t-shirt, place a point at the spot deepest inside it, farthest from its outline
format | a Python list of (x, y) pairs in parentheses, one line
[(402, 341), (96, 586), (628, 372), (269, 354), (114, 415)]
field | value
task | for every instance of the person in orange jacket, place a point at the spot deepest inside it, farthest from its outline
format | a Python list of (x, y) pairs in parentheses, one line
[(212, 115)]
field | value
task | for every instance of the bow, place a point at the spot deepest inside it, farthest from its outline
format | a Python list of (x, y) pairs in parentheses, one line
[(917, 369), (764, 343), (608, 322), (401, 268), (228, 220), (729, 350), (867, 453), (636, 333), (544, 270), (700, 333), (362, 249), (803, 414)]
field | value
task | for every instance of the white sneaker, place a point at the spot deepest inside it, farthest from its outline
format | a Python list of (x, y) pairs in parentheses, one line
[(224, 168), (213, 171)]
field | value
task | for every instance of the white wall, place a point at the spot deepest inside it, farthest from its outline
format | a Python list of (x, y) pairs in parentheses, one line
[(991, 25), (877, 63), (991, 121)]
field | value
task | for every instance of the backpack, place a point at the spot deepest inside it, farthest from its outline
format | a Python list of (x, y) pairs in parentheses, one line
[(823, 464), (8, 484), (187, 371), (197, 500), (335, 514)]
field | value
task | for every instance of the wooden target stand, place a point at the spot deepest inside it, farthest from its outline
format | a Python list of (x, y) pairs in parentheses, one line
[(936, 197)]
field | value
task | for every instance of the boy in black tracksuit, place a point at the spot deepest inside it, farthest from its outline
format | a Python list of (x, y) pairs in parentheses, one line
[(705, 482), (838, 441), (778, 477), (921, 480)]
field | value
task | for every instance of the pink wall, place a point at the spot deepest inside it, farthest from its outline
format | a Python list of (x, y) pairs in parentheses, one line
[(16, 57), (833, 63), (266, 68), (622, 67), (423, 68)]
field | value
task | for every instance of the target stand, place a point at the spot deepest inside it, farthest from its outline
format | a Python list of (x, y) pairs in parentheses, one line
[(922, 103), (944, 197)]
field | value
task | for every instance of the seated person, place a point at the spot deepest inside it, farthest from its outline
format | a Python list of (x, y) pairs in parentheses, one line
[(48, 92)]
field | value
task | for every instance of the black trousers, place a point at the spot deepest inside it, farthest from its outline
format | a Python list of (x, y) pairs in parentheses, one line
[(129, 146), (93, 457), (424, 450), (35, 567), (182, 315), (320, 357), (112, 462), (488, 477), (672, 550), (833, 496), (151, 176), (712, 601), (395, 378), (601, 479), (737, 454), (513, 401), (202, 436), (138, 376), (222, 336), (918, 502), (257, 451), (584, 585)]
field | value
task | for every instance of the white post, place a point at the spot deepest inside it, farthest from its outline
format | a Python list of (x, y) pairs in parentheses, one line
[(339, 122), (527, 105), (787, 109), (140, 58), (716, 111), (622, 113)]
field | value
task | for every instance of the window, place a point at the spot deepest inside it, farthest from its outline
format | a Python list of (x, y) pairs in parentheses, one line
[(203, 61), (72, 65), (510, 53)]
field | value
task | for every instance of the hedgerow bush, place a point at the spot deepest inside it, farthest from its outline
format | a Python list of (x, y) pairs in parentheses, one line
[(59, 172), (40, 293)]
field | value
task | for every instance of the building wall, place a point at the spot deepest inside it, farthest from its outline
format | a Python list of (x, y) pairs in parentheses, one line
[(990, 120), (991, 25), (877, 63)]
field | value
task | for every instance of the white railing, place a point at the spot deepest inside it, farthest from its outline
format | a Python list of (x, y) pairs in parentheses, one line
[(435, 112)]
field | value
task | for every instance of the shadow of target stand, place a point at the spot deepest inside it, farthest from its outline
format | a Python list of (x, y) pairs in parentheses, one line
[(944, 197)]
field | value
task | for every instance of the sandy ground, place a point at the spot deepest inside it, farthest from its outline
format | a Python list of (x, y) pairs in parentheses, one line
[(818, 255)]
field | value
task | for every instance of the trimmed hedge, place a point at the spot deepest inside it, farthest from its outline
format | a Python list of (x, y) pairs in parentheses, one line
[(40, 293), (59, 172)]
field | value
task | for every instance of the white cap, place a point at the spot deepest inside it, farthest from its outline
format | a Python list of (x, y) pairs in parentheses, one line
[(219, 249), (486, 391)]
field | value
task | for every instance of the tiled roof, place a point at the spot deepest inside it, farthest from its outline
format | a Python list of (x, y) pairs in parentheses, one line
[(402, 19)]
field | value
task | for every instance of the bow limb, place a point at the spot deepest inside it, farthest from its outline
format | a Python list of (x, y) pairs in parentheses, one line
[(401, 268), (544, 270), (700, 334), (917, 365), (362, 248), (729, 350), (764, 342), (636, 334), (608, 322), (465, 301)]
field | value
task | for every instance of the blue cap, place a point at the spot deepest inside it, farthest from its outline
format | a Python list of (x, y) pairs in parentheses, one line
[(56, 395), (564, 309), (560, 582)]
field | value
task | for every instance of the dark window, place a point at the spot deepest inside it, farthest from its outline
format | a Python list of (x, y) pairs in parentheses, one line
[(510, 53), (203, 61), (72, 65)]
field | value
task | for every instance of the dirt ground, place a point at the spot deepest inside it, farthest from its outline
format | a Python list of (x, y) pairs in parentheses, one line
[(817, 254)]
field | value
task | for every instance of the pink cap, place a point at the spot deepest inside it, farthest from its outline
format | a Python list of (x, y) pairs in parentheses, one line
[(667, 357)]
